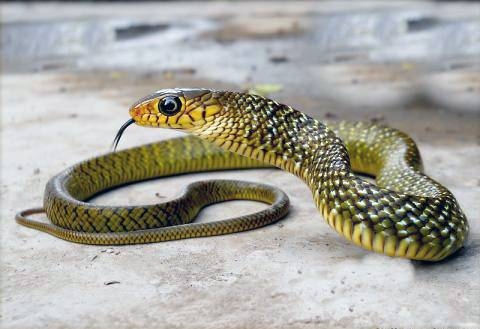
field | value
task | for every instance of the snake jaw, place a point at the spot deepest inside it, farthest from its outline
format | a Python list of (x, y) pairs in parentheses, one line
[(196, 107)]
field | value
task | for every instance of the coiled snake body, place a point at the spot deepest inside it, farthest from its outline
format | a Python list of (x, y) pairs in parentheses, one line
[(406, 214)]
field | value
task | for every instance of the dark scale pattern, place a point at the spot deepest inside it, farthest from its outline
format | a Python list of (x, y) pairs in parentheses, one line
[(406, 214)]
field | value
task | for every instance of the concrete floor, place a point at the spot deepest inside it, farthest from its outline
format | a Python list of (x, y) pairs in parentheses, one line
[(66, 84)]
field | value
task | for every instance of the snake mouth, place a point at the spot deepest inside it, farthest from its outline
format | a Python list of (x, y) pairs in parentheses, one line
[(119, 134)]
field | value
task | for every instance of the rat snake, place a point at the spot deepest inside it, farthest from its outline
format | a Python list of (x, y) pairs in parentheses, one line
[(406, 214)]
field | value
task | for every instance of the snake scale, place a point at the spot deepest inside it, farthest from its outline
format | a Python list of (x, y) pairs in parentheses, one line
[(405, 214)]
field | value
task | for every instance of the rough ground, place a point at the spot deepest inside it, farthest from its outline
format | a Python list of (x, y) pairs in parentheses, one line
[(68, 79)]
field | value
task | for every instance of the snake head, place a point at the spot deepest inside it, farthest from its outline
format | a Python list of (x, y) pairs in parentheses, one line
[(176, 108)]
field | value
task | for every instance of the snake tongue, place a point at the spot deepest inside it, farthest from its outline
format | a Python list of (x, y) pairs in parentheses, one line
[(119, 134)]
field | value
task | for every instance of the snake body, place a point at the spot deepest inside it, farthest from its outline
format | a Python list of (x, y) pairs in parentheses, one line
[(405, 214)]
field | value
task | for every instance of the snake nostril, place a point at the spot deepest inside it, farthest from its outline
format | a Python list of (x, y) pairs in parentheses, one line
[(136, 113)]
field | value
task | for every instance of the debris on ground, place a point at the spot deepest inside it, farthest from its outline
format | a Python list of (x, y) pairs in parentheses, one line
[(265, 89)]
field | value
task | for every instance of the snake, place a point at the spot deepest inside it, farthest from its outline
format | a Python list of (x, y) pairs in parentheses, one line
[(403, 213)]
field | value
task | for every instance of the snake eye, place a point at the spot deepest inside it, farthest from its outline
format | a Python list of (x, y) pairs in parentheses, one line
[(170, 105)]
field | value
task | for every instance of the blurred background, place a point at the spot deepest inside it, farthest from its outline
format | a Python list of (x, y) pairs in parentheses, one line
[(382, 54), (69, 72)]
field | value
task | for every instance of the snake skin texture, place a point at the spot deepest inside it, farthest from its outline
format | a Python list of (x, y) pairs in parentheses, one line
[(75, 220), (405, 214)]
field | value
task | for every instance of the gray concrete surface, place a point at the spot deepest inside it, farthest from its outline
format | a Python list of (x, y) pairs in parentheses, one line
[(69, 73)]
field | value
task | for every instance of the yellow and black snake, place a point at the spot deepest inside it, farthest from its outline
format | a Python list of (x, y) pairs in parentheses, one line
[(406, 214)]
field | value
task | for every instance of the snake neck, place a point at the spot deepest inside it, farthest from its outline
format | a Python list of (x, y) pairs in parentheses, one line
[(274, 133)]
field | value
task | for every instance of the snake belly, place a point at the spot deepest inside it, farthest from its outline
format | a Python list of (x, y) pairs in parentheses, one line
[(405, 214)]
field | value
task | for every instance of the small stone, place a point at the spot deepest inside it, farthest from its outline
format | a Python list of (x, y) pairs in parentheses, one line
[(278, 59), (378, 118), (330, 115)]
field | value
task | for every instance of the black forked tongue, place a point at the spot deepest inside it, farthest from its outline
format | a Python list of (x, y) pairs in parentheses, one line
[(116, 140)]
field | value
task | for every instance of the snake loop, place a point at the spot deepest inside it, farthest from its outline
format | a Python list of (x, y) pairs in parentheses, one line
[(79, 221)]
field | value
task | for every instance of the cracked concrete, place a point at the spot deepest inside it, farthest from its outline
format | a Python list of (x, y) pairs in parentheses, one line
[(66, 91)]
